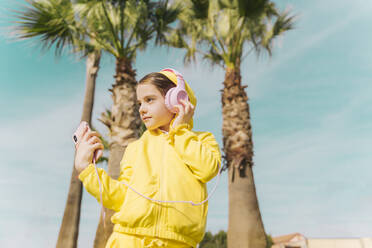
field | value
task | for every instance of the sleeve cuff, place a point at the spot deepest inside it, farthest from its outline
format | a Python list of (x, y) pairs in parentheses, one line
[(174, 130), (86, 172)]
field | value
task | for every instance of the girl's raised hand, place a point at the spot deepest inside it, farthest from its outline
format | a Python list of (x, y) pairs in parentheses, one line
[(185, 112), (85, 149)]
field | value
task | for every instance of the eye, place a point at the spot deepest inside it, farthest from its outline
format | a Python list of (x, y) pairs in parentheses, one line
[(147, 100)]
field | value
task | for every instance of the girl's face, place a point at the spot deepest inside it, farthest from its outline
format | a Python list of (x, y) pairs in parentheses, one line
[(152, 109)]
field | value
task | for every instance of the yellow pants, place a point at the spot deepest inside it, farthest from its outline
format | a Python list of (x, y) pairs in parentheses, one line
[(122, 240)]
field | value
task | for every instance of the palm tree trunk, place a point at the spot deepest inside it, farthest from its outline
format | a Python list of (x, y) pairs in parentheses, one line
[(124, 126), (69, 231), (245, 228)]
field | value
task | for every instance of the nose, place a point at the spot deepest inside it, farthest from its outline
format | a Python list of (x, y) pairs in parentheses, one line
[(142, 109)]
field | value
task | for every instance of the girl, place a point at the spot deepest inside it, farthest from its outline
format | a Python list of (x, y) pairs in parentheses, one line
[(169, 162)]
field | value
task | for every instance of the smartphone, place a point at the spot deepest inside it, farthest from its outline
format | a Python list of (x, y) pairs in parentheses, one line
[(78, 134)]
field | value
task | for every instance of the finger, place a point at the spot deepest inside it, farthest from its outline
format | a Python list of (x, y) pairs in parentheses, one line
[(181, 110), (99, 154), (184, 102), (187, 108), (191, 107), (90, 134), (94, 139), (96, 133), (87, 135), (97, 146), (189, 104)]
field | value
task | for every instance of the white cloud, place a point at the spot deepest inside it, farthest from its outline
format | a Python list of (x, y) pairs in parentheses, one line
[(319, 176), (36, 174), (304, 37)]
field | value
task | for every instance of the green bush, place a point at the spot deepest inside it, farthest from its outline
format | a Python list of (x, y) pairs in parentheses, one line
[(269, 241), (219, 240)]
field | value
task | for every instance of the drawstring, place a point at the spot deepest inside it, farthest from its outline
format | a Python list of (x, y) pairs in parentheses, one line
[(100, 194), (157, 242)]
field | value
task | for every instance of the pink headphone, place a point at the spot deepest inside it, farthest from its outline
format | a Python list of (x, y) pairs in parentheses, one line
[(175, 94)]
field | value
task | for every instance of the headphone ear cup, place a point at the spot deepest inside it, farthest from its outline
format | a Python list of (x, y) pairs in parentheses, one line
[(168, 97), (175, 94), (173, 97), (181, 95)]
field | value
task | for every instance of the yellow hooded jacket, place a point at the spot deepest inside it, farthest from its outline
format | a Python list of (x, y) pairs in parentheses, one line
[(173, 166)]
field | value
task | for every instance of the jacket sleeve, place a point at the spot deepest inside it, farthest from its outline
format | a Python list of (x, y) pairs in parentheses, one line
[(113, 191), (201, 153)]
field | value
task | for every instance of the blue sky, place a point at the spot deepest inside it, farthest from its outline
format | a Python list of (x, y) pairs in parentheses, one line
[(310, 115)]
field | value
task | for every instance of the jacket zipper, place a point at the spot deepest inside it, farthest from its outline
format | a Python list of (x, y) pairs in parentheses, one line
[(160, 198), (159, 209)]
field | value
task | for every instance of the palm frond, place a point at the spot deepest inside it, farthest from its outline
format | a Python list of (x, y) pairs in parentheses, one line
[(284, 22), (52, 21), (214, 58), (226, 26), (162, 15)]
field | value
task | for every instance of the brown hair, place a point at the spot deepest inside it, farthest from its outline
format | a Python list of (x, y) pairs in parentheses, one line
[(159, 80)]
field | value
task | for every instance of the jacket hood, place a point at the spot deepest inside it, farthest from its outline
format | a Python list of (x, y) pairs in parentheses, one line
[(190, 94)]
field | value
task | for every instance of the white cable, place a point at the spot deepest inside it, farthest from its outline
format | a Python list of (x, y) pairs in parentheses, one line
[(155, 200), (100, 193), (192, 203)]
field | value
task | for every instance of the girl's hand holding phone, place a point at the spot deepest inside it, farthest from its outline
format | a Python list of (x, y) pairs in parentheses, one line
[(85, 148)]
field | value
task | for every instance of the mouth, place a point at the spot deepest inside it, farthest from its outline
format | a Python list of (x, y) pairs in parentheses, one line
[(146, 118)]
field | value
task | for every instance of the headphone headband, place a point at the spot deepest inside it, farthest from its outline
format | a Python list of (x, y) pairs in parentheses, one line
[(179, 76)]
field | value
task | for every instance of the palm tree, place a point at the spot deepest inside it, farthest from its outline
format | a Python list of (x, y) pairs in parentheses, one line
[(221, 30), (69, 230), (121, 27), (54, 23)]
